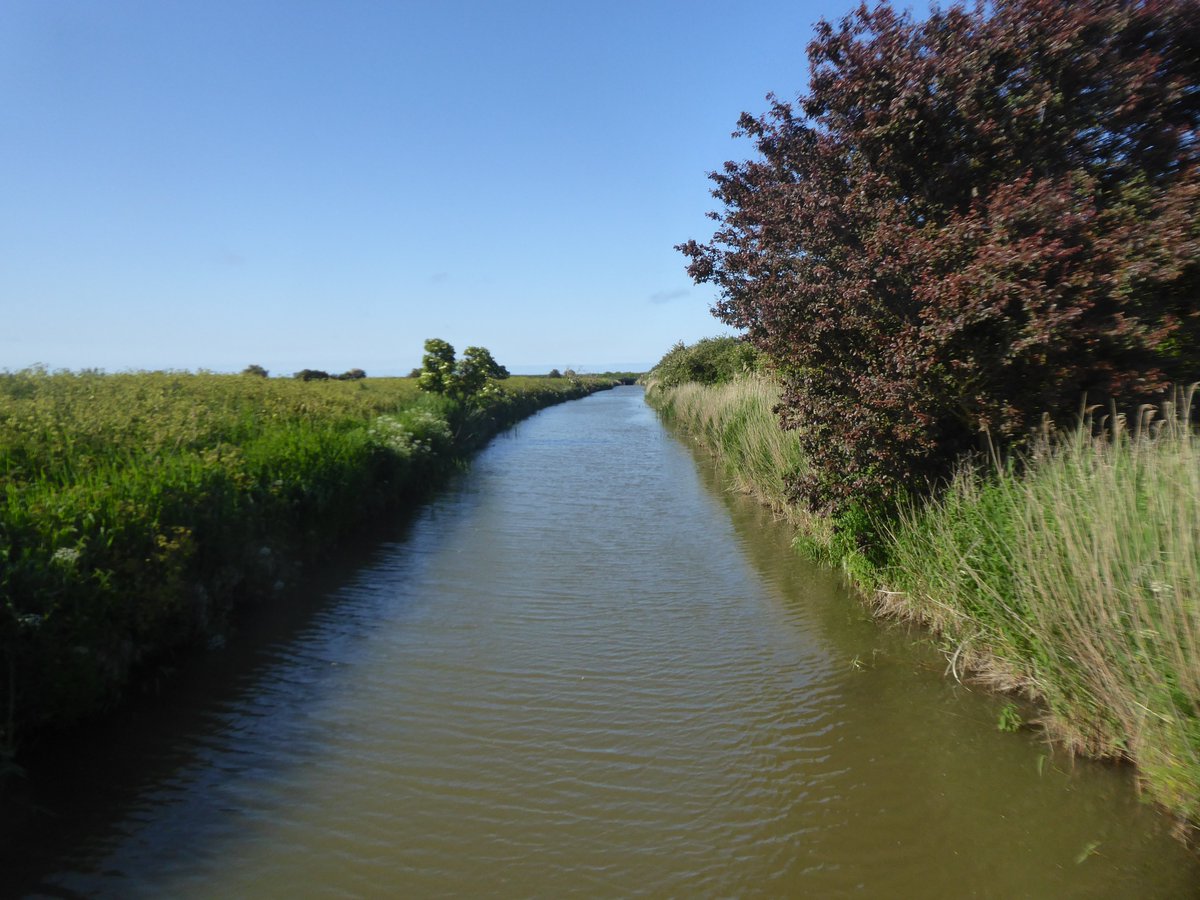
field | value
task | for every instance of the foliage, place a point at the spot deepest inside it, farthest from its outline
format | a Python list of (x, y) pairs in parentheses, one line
[(554, 373), (708, 361), (464, 380), (255, 370), (312, 375), (967, 222), (1009, 718), (476, 369), (322, 375), (1077, 580), (437, 367), (735, 420)]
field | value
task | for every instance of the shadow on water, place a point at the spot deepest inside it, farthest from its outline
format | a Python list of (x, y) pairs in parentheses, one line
[(82, 788)]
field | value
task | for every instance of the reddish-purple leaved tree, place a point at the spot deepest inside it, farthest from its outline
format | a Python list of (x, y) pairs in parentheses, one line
[(967, 222)]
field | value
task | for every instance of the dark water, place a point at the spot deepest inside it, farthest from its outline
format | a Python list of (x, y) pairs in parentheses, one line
[(584, 670)]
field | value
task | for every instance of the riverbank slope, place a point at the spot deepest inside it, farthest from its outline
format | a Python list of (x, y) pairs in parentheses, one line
[(1072, 578), (139, 509)]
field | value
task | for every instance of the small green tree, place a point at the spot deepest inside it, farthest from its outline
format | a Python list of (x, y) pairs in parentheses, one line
[(255, 370), (476, 369), (437, 367), (312, 375), (462, 379)]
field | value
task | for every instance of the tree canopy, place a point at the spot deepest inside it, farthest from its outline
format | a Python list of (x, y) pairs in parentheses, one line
[(967, 222), (461, 379)]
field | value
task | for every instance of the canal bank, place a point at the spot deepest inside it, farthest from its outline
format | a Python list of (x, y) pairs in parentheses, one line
[(138, 510), (1067, 577), (584, 668)]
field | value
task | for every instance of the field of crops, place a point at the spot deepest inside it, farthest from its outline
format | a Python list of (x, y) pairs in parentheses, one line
[(137, 508)]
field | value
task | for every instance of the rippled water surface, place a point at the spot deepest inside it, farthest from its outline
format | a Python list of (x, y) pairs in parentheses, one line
[(585, 670)]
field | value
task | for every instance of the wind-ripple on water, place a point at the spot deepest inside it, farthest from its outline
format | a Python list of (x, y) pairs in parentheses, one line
[(587, 673)]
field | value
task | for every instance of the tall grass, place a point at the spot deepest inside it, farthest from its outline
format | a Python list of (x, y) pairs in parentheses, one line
[(136, 509), (736, 421), (1078, 580), (1072, 574)]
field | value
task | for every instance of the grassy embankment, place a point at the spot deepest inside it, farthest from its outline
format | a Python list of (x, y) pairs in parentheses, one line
[(138, 508), (1073, 576)]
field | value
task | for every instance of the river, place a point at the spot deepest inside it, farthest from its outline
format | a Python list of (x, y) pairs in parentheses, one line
[(584, 669)]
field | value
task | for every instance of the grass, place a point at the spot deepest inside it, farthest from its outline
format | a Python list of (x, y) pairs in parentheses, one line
[(135, 509), (1072, 575), (736, 421), (1078, 581)]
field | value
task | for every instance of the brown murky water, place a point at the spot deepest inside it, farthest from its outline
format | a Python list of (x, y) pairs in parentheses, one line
[(584, 670)]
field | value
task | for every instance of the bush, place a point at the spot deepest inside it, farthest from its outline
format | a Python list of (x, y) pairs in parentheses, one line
[(708, 361), (966, 223), (463, 379), (312, 375)]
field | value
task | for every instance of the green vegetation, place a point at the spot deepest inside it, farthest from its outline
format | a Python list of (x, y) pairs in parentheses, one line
[(138, 508), (1070, 574), (735, 420), (1078, 581), (708, 361), (472, 379)]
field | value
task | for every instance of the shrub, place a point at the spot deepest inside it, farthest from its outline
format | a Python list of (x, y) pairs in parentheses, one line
[(461, 380), (255, 370), (708, 361), (312, 375), (967, 222)]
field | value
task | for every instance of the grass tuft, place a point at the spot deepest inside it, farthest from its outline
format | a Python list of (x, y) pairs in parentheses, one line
[(1078, 580)]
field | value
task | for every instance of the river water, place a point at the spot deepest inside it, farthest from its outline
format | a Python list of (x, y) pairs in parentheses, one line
[(584, 669)]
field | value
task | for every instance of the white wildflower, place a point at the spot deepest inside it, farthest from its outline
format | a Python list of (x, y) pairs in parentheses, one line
[(65, 556)]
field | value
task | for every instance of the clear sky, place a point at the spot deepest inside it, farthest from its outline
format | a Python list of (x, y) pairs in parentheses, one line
[(212, 183)]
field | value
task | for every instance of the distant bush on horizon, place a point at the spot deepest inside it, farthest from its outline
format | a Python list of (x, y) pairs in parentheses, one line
[(714, 360)]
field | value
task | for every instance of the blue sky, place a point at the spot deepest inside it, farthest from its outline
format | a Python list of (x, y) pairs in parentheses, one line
[(210, 184)]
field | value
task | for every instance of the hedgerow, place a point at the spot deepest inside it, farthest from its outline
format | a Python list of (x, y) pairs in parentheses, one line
[(715, 360)]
